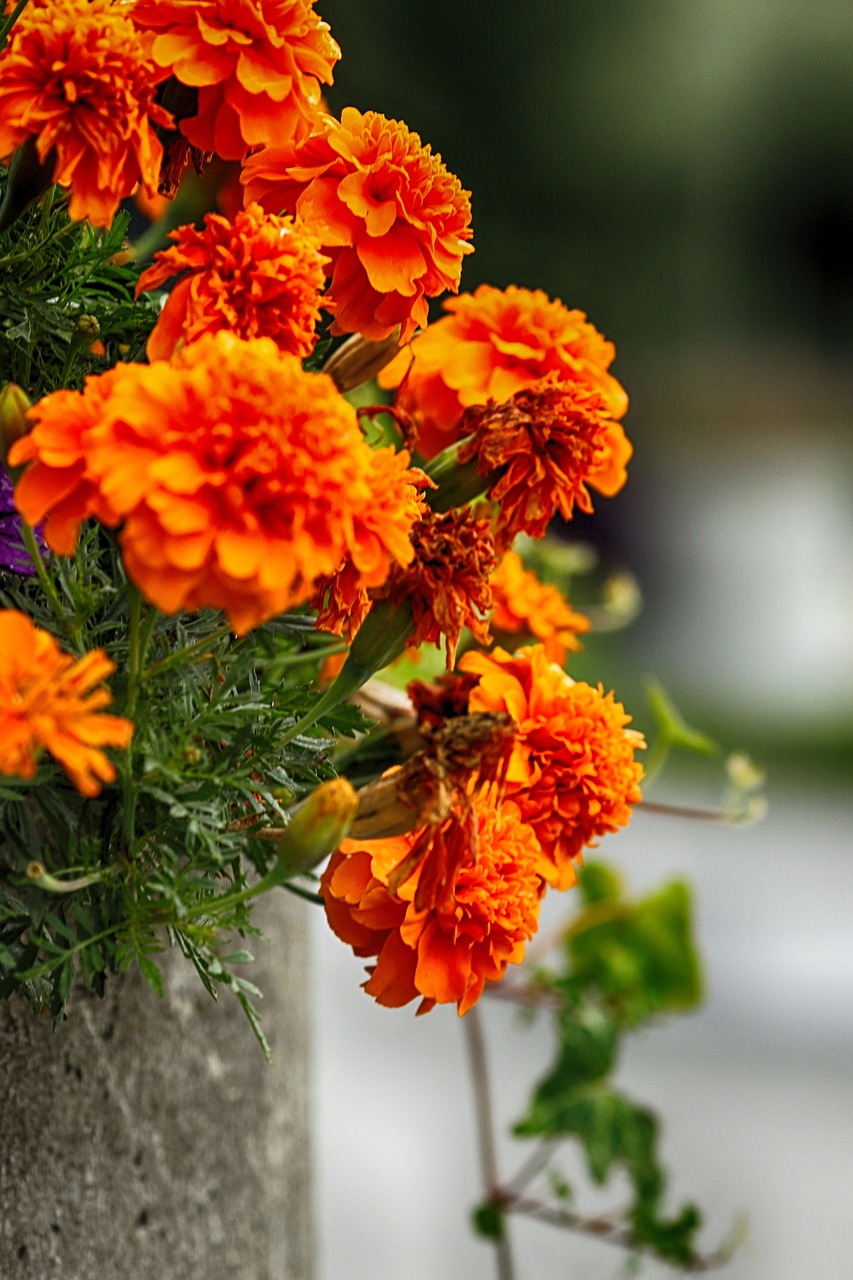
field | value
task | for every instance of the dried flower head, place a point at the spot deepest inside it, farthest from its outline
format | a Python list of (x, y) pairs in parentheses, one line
[(77, 76), (446, 585), (394, 221), (572, 772), (526, 606), (493, 343), (447, 953), (443, 588), (255, 67), (540, 450), (51, 701), (459, 755), (239, 479), (258, 276)]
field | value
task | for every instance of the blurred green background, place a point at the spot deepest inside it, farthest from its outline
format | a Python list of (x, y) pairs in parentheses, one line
[(684, 174)]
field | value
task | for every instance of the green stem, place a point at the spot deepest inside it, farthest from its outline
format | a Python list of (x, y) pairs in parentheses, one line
[(137, 642), (458, 483), (381, 638), (269, 881), (54, 963), (306, 655), (183, 655), (47, 585), (478, 1064)]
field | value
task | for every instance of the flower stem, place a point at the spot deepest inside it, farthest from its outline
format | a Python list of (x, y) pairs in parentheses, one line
[(47, 585), (138, 636), (183, 655), (486, 1134), (381, 638)]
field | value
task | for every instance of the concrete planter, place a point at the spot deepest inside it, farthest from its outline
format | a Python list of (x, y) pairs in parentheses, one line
[(148, 1138)]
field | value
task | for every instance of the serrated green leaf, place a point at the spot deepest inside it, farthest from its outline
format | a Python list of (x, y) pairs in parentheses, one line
[(150, 972)]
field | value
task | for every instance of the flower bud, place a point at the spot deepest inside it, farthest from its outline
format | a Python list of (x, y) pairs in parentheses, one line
[(14, 423), (316, 828), (358, 360)]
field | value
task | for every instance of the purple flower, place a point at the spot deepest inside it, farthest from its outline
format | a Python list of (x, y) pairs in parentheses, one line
[(14, 557)]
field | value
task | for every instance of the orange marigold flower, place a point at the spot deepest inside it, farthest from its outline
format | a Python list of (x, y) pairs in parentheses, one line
[(523, 604), (394, 221), (256, 66), (51, 701), (493, 343), (382, 528), (239, 479), (572, 773), (57, 486), (444, 954), (77, 76), (541, 449), (257, 276)]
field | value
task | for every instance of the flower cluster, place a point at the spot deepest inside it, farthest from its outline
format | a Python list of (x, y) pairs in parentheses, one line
[(571, 777), (238, 479), (231, 473)]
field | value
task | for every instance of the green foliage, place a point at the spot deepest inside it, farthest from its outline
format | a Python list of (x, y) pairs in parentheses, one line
[(488, 1221), (168, 853), (624, 962), (62, 285)]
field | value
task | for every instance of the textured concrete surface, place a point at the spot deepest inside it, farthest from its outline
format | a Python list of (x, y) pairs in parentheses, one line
[(149, 1137)]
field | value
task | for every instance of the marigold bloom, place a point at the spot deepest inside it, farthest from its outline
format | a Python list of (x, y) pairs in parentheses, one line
[(541, 449), (447, 954), (57, 486), (53, 701), (493, 343), (256, 66), (382, 528), (239, 479), (524, 604), (257, 276), (78, 77), (572, 773), (394, 221)]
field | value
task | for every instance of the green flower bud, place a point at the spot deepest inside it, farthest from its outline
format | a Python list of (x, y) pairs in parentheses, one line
[(316, 828), (14, 423)]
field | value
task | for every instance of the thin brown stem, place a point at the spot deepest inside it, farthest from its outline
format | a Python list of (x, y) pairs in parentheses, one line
[(486, 1134), (608, 1231)]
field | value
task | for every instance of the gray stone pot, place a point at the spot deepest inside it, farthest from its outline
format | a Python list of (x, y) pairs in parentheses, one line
[(149, 1139)]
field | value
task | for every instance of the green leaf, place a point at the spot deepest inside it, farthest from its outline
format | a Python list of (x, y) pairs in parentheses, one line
[(488, 1221), (639, 956), (150, 973)]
